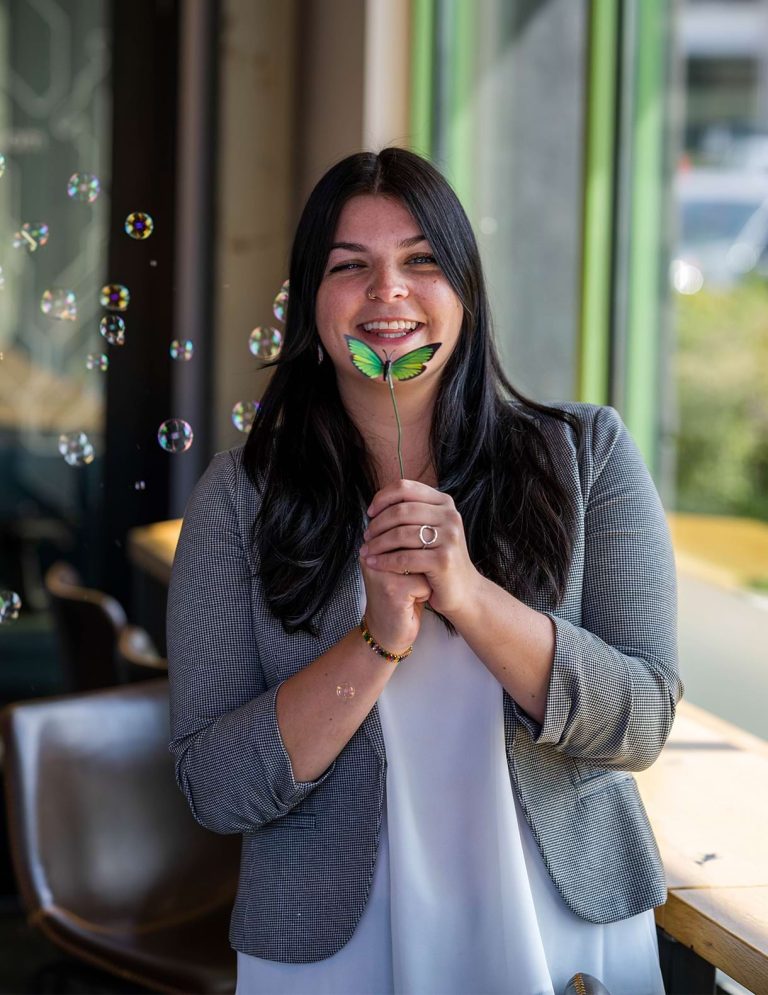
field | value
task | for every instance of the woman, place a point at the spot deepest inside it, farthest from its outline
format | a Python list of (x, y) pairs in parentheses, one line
[(419, 699)]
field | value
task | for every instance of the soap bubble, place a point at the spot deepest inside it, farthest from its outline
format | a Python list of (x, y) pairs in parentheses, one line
[(175, 435), (2, 278), (115, 297), (76, 448), (139, 485), (59, 303), (10, 606), (139, 225), (182, 350), (281, 302), (2, 163), (30, 236), (243, 415), (84, 187), (345, 691), (97, 361), (112, 327), (265, 343)]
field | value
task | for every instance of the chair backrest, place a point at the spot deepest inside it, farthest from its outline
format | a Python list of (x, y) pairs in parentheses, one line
[(98, 826), (88, 623), (137, 656)]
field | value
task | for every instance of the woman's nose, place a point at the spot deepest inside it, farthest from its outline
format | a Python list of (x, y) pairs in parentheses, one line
[(388, 285)]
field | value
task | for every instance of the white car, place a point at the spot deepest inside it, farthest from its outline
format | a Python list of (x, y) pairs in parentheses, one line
[(723, 228)]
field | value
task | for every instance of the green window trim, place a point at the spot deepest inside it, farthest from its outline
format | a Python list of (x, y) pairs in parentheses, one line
[(422, 75), (645, 290), (594, 354)]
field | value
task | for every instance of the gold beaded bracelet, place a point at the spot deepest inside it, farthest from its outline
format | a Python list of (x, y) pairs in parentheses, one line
[(390, 657)]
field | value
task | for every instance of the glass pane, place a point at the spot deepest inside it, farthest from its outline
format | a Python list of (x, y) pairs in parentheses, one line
[(518, 174), (720, 275), (55, 139)]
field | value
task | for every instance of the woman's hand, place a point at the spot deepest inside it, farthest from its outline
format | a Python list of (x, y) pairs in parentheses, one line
[(393, 544), (394, 606)]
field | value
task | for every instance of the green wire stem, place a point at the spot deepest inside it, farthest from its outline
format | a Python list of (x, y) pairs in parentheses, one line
[(399, 427)]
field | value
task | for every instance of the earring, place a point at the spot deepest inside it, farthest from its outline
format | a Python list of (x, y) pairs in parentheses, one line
[(320, 354)]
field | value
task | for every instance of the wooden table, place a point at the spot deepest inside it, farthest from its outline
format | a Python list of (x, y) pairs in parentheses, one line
[(707, 800)]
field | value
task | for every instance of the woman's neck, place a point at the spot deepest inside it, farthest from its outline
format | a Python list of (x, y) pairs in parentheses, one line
[(372, 413)]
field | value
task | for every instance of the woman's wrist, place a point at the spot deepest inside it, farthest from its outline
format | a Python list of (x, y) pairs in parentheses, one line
[(390, 651), (473, 604)]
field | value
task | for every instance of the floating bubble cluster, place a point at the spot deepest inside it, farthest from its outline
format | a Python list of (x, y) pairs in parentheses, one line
[(280, 302), (243, 415), (31, 236), (182, 349), (265, 343), (59, 303), (97, 361), (112, 327), (139, 225), (115, 297), (84, 187), (140, 485), (175, 435), (10, 606), (76, 448), (2, 163)]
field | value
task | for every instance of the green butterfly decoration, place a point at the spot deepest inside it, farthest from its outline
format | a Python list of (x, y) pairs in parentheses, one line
[(371, 365), (411, 365)]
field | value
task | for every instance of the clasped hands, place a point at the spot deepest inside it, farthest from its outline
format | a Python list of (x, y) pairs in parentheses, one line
[(393, 544)]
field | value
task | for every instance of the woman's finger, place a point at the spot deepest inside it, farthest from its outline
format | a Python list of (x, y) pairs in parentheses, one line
[(410, 584), (405, 562), (402, 537), (409, 513), (405, 490)]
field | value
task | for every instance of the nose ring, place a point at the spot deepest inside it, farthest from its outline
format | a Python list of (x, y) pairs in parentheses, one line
[(371, 295)]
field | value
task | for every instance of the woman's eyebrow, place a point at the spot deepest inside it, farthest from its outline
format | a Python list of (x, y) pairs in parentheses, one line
[(407, 243)]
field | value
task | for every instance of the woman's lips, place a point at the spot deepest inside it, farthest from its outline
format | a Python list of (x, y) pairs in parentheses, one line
[(390, 335)]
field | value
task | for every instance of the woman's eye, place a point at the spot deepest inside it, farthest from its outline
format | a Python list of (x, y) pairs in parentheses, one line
[(345, 266), (423, 259)]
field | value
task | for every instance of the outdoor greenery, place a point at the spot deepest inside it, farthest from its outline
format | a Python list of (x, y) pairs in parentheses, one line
[(722, 377)]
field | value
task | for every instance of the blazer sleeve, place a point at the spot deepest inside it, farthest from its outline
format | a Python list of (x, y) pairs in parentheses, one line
[(230, 760), (614, 684)]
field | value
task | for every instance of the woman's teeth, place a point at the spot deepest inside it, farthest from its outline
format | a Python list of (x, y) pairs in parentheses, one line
[(391, 329)]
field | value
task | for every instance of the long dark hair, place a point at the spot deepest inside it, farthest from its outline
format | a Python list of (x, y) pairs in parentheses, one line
[(310, 462)]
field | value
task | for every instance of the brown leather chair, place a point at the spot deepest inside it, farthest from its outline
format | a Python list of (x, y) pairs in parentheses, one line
[(110, 863), (88, 623), (137, 656)]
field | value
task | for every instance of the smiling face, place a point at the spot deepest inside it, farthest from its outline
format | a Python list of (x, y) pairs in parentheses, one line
[(379, 249)]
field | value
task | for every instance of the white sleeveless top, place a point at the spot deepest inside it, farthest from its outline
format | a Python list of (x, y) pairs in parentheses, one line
[(461, 902)]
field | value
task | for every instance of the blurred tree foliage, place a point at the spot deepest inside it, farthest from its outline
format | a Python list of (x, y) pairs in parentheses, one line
[(722, 378)]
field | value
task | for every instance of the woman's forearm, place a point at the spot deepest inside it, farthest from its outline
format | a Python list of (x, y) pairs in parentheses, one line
[(315, 721), (515, 642)]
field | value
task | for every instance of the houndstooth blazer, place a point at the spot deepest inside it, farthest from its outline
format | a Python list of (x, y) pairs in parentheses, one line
[(309, 849)]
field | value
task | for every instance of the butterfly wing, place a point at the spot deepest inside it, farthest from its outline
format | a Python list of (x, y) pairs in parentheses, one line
[(413, 363), (364, 358)]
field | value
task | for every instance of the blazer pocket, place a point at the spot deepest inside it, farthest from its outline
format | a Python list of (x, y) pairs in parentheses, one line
[(296, 820), (601, 782)]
